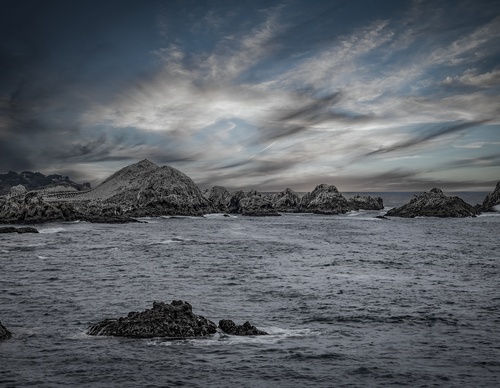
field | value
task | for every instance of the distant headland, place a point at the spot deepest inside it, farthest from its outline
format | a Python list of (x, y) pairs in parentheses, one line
[(145, 189)]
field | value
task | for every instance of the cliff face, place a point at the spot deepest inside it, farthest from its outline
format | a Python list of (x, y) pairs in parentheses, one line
[(36, 180), (434, 204)]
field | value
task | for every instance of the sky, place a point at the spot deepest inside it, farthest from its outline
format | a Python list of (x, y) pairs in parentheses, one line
[(365, 95)]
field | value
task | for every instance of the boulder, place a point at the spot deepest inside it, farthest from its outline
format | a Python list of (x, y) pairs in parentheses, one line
[(174, 320), (220, 198), (434, 204), (286, 201), (366, 202), (229, 327), (4, 333), (324, 199), (492, 200)]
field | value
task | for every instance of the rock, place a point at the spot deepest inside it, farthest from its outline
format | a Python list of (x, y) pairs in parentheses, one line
[(366, 202), (175, 320), (256, 204), (434, 204), (492, 201), (381, 217), (229, 327), (234, 202), (4, 333), (35, 180), (286, 201), (324, 199), (12, 229), (220, 198)]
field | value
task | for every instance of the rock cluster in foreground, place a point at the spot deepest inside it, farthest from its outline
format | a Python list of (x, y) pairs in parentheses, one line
[(434, 204), (175, 320), (4, 333), (22, 229)]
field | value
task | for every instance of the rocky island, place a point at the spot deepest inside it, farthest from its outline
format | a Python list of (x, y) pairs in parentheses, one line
[(174, 320), (434, 204), (492, 201)]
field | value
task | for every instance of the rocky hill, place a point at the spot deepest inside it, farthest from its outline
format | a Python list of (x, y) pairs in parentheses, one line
[(492, 201), (36, 180)]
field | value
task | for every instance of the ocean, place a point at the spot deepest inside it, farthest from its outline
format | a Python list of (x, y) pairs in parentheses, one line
[(348, 301)]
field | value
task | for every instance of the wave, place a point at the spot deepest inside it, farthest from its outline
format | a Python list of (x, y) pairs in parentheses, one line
[(52, 230)]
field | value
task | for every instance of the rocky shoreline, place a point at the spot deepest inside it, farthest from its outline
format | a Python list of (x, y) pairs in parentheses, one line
[(144, 189)]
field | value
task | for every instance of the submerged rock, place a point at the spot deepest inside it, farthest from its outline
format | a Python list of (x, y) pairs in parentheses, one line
[(366, 202), (175, 320), (492, 201), (23, 229), (4, 333), (325, 199), (229, 327), (434, 204)]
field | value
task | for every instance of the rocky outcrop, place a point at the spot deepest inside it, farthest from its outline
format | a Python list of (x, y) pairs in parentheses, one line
[(256, 204), (366, 202), (434, 204), (13, 229), (286, 201), (4, 333), (324, 199), (492, 201), (175, 320), (220, 198), (229, 327)]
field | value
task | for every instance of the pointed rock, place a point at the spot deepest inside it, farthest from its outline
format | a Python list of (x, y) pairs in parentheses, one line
[(4, 333), (324, 199), (492, 201)]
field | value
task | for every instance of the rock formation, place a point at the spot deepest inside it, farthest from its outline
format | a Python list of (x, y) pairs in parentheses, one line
[(366, 202), (23, 229), (175, 320), (220, 198), (324, 199), (492, 200), (36, 180), (434, 204), (256, 204), (286, 201), (4, 333), (229, 327)]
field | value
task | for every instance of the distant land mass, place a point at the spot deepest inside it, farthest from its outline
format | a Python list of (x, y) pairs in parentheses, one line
[(144, 189), (37, 180)]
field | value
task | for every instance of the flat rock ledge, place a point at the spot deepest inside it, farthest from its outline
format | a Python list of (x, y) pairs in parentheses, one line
[(4, 333), (434, 204), (174, 320), (23, 229)]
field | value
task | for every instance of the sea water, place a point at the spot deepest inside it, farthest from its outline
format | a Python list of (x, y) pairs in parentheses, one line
[(348, 301)]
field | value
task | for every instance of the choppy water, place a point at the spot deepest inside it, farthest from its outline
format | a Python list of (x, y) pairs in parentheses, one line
[(349, 301)]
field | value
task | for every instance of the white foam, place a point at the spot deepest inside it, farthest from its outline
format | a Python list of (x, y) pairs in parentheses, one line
[(52, 230)]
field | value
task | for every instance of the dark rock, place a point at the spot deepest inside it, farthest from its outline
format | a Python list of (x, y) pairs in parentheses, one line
[(434, 204), (286, 201), (324, 199), (12, 229), (35, 181), (4, 333), (492, 200), (256, 204), (366, 202), (229, 327), (220, 198), (234, 202), (175, 320)]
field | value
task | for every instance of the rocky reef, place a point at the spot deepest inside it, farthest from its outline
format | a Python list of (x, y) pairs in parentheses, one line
[(229, 327), (492, 200), (286, 201), (174, 320), (325, 199), (22, 229), (219, 197), (4, 333), (434, 204)]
